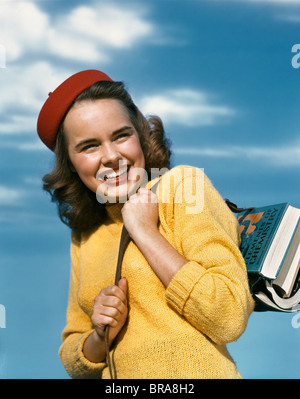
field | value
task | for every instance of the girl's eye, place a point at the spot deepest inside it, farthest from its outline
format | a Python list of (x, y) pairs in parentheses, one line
[(122, 135), (88, 147)]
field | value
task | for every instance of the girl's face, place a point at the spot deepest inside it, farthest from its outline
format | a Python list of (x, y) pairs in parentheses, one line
[(104, 148)]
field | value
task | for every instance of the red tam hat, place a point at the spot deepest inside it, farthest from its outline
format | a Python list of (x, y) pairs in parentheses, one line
[(59, 101)]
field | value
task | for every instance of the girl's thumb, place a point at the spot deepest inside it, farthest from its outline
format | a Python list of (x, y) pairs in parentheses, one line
[(123, 284)]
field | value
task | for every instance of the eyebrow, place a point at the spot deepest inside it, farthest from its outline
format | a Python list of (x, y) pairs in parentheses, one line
[(93, 140)]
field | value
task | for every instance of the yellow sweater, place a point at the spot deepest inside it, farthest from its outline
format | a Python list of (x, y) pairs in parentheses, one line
[(176, 332)]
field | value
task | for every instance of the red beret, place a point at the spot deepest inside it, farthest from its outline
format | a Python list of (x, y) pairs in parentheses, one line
[(60, 100)]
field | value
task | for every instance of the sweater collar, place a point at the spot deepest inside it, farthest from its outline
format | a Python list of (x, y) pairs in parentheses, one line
[(114, 212)]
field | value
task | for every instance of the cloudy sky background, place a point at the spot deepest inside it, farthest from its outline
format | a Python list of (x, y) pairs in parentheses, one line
[(220, 75)]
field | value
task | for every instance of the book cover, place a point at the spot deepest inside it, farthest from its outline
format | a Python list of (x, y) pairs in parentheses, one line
[(258, 228)]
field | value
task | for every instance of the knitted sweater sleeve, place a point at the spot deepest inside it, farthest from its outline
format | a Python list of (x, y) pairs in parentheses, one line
[(78, 328), (211, 290)]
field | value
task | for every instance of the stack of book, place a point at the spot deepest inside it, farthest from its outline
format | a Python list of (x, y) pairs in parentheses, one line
[(270, 244)]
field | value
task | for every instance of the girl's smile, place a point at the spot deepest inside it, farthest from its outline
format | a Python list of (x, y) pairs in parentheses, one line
[(114, 176)]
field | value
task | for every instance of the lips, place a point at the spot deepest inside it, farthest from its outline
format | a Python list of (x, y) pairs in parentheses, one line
[(113, 175)]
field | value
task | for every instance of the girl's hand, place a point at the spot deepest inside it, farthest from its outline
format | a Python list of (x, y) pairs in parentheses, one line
[(140, 213), (140, 217), (110, 308)]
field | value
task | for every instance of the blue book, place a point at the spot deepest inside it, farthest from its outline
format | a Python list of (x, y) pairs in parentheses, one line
[(266, 234)]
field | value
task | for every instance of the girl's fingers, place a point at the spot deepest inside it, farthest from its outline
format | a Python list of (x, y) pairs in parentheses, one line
[(107, 314), (111, 305), (113, 291)]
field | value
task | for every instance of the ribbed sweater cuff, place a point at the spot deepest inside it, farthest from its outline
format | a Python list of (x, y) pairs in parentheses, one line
[(182, 284)]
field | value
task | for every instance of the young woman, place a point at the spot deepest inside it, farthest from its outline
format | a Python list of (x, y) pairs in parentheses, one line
[(184, 291)]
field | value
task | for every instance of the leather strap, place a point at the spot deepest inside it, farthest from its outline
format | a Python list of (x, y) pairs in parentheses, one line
[(125, 238), (234, 207), (124, 241)]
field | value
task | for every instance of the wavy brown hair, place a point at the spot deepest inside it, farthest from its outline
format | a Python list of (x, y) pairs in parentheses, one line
[(77, 206)]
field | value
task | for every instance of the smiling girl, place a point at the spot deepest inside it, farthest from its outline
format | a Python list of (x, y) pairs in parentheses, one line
[(184, 292)]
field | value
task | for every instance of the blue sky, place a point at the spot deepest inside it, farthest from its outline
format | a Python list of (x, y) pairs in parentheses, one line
[(220, 75)]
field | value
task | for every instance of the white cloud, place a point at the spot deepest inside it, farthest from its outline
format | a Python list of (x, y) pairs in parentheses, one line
[(86, 33), (280, 2), (23, 27), (279, 156), (32, 146), (23, 90), (186, 107), (108, 24), (33, 181), (30, 36), (289, 18), (10, 196), (275, 1), (63, 45)]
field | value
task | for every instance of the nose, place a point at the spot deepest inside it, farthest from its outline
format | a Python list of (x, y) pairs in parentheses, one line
[(110, 155)]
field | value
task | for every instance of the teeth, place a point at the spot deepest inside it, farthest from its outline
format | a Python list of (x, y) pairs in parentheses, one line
[(113, 175)]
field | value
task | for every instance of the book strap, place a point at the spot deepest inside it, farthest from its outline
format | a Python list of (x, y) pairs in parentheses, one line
[(124, 241), (234, 207)]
